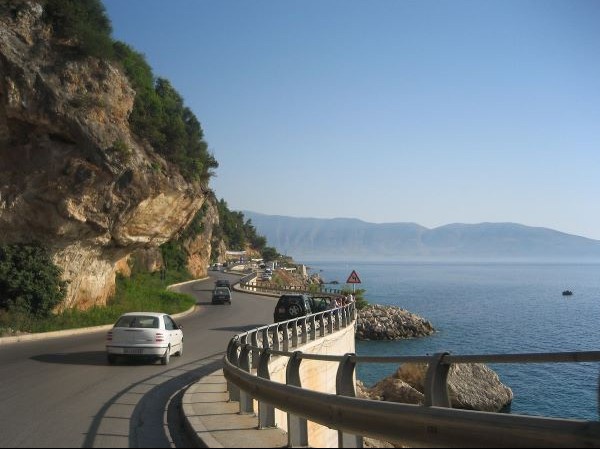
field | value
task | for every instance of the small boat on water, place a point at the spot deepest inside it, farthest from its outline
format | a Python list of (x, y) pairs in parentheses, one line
[(567, 293)]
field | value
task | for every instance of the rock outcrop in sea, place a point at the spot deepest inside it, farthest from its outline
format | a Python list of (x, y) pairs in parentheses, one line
[(471, 386), (378, 322)]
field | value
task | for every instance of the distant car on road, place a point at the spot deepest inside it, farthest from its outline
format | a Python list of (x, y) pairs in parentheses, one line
[(221, 295), (223, 283), (291, 306), (144, 334)]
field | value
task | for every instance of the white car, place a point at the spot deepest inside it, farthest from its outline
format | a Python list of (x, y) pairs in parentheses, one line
[(144, 334)]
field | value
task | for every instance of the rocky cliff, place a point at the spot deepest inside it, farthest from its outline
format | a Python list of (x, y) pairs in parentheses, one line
[(379, 322), (72, 174)]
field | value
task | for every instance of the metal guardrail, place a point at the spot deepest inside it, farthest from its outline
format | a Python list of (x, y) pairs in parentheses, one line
[(246, 368), (269, 287)]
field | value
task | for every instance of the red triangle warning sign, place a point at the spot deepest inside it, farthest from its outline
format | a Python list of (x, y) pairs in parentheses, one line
[(353, 278)]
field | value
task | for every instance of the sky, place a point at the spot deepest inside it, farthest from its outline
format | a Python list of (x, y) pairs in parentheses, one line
[(432, 112)]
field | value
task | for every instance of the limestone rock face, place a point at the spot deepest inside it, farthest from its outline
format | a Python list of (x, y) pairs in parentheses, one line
[(377, 322), (72, 174), (200, 248)]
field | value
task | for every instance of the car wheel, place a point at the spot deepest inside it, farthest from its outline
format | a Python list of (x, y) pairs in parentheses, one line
[(167, 357), (180, 353), (111, 358), (294, 310)]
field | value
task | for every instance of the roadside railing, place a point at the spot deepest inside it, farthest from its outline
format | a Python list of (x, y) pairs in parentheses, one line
[(249, 283), (246, 368)]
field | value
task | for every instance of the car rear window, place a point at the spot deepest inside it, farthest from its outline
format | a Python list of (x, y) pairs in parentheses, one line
[(140, 321), (285, 300), (221, 291)]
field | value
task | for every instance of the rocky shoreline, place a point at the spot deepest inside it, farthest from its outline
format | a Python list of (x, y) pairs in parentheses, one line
[(378, 322), (470, 386)]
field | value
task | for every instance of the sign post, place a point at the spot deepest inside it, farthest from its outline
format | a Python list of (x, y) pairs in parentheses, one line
[(353, 279)]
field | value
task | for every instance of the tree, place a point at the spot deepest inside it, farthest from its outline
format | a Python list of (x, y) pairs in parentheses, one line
[(29, 281), (84, 20), (269, 254)]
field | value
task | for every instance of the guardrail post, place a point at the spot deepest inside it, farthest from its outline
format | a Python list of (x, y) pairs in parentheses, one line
[(232, 356), (295, 335), (266, 412), (330, 323), (304, 337), (246, 401), (436, 382), (265, 338), (345, 386), (338, 318), (322, 325), (286, 337), (313, 328), (255, 351), (276, 346), (297, 426), (345, 316)]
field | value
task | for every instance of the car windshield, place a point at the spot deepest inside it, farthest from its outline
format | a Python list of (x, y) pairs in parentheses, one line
[(221, 291), (320, 303), (140, 321)]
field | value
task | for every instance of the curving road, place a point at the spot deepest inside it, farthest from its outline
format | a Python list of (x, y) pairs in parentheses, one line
[(61, 393)]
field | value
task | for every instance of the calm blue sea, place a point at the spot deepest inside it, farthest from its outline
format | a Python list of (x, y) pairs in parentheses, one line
[(488, 308)]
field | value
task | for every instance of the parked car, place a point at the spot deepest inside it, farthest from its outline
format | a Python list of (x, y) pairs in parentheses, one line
[(223, 283), (320, 303), (221, 295), (144, 334), (291, 306)]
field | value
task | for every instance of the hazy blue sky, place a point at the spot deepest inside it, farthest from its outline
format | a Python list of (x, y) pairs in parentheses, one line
[(432, 112)]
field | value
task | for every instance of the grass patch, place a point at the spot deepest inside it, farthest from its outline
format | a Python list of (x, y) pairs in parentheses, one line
[(141, 292)]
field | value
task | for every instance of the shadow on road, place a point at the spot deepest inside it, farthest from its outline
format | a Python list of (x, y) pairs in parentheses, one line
[(96, 358), (238, 328), (73, 358), (148, 413)]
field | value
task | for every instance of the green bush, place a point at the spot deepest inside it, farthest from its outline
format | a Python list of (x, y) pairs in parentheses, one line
[(84, 20), (142, 291), (30, 283), (159, 115), (175, 257), (237, 232), (359, 297)]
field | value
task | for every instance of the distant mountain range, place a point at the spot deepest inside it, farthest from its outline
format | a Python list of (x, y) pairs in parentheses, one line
[(353, 239)]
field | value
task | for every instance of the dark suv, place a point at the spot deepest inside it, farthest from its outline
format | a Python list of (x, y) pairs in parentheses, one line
[(221, 295), (223, 283), (292, 306)]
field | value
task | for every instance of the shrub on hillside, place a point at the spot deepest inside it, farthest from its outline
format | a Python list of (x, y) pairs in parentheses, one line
[(29, 281), (85, 21)]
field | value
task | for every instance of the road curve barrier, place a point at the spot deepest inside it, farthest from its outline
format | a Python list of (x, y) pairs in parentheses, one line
[(246, 369)]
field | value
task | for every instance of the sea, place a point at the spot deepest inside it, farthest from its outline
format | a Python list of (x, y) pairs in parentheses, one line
[(487, 307)]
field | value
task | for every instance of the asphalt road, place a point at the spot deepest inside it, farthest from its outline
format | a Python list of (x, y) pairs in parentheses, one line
[(62, 393)]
